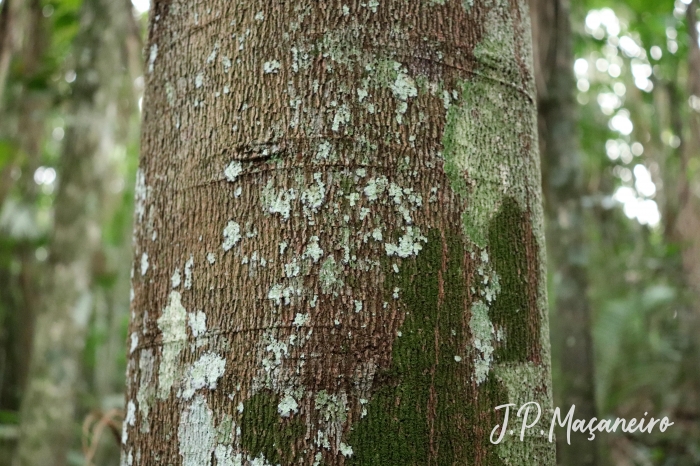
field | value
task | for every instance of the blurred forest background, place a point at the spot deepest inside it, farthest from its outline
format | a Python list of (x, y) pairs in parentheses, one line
[(621, 183)]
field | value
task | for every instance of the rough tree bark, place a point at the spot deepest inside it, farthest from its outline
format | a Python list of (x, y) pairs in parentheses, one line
[(47, 424), (563, 188), (338, 236)]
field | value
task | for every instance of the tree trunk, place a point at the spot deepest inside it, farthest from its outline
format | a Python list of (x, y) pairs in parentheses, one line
[(687, 223), (338, 236), (566, 237), (47, 424), (24, 112), (11, 29)]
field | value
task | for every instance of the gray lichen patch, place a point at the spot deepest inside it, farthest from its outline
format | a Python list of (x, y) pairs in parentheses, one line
[(173, 326), (313, 250), (175, 280), (233, 170), (524, 383), (277, 202), (144, 263), (483, 333), (204, 373), (146, 387), (330, 276), (271, 66), (409, 243), (196, 434), (188, 272), (198, 323), (232, 235), (486, 128)]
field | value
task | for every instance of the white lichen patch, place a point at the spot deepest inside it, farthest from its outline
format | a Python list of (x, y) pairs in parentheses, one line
[(524, 382), (324, 152), (333, 414), (197, 322), (196, 434), (404, 86), (214, 52), (188, 273), (142, 193), (146, 391), (175, 279), (199, 80), (313, 250), (226, 457), (476, 121), (271, 66), (259, 16), (204, 373), (358, 305), (134, 342), (278, 202), (341, 117), (409, 243), (312, 197), (130, 418), (226, 64), (345, 450), (232, 235), (232, 170), (173, 325), (152, 55), (144, 264), (483, 332), (292, 269), (279, 292), (330, 276), (375, 187), (271, 361), (211, 258), (362, 94), (287, 406), (301, 319)]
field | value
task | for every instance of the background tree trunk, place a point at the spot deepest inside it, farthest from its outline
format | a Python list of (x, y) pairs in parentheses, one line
[(47, 416), (338, 241), (687, 225), (24, 113), (566, 234)]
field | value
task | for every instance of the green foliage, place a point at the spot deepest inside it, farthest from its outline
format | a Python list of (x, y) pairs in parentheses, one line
[(636, 289)]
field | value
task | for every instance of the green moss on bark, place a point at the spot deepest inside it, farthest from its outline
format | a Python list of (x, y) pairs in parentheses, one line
[(515, 310), (422, 408), (264, 432)]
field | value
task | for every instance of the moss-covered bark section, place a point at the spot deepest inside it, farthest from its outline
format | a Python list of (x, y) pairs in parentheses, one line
[(426, 411), (264, 432), (513, 253)]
